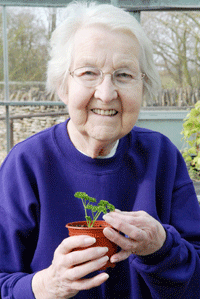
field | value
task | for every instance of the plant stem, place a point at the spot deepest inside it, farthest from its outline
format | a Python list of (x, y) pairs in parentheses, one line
[(96, 217), (85, 208)]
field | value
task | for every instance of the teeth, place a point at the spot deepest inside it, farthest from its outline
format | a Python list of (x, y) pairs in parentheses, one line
[(105, 112)]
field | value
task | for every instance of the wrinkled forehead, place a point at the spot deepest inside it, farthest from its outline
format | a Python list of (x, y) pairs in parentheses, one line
[(99, 43)]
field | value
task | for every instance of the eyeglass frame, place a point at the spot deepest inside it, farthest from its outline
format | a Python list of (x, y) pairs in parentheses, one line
[(102, 75)]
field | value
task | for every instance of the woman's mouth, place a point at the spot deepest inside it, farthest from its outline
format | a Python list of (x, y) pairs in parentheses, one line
[(110, 112)]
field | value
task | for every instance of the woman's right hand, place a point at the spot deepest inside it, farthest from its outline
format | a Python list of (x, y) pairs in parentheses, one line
[(64, 278)]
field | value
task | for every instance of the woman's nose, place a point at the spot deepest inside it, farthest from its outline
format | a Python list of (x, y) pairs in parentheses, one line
[(106, 90)]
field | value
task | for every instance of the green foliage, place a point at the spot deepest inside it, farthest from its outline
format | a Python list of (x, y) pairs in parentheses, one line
[(191, 132), (27, 46), (88, 203)]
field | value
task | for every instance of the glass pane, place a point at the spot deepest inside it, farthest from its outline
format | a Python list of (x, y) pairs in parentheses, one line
[(1, 57), (2, 109), (29, 31), (176, 41)]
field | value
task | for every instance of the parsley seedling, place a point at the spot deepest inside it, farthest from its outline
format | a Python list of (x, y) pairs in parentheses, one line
[(89, 204)]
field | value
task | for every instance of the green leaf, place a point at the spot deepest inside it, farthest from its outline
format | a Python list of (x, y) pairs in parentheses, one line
[(185, 154), (198, 162), (92, 208), (103, 203), (192, 150), (83, 195), (91, 199), (197, 105), (80, 195), (102, 209), (191, 143), (110, 207), (186, 133), (188, 159)]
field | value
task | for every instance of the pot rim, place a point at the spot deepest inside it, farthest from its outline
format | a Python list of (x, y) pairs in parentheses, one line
[(96, 225)]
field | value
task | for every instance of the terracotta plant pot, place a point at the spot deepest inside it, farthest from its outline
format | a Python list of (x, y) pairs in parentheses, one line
[(80, 228)]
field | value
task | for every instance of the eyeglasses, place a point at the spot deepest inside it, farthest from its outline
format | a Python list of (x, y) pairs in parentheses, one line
[(92, 76)]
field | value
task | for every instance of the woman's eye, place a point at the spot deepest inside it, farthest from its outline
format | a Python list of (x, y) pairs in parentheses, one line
[(125, 76), (89, 73)]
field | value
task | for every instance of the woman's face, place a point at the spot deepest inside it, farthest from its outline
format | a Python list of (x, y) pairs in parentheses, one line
[(90, 107)]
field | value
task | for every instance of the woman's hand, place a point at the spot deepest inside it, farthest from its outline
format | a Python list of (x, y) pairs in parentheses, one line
[(64, 278), (144, 234)]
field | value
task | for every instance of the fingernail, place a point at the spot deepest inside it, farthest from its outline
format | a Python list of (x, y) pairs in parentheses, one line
[(114, 260), (89, 241), (102, 250), (104, 259), (103, 276), (109, 233)]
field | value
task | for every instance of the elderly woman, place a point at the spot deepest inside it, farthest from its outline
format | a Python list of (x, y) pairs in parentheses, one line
[(101, 65)]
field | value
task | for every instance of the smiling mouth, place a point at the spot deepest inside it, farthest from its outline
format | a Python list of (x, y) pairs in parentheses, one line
[(110, 112)]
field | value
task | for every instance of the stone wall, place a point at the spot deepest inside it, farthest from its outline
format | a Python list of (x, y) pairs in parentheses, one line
[(26, 127)]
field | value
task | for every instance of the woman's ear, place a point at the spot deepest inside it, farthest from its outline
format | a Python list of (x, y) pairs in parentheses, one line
[(145, 82), (63, 95)]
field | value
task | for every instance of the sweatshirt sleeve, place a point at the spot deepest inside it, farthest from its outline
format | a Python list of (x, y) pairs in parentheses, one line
[(174, 270), (19, 216)]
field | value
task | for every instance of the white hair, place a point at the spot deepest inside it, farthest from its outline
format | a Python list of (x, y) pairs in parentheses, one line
[(82, 14)]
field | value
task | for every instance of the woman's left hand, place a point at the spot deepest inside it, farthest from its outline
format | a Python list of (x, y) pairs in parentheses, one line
[(144, 234)]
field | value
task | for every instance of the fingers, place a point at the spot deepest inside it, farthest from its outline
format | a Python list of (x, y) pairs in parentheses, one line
[(86, 284), (135, 218), (79, 263), (76, 273), (127, 244), (124, 226), (71, 243), (120, 256), (79, 257)]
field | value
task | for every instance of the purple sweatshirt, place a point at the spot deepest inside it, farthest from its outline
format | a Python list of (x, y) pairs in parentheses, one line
[(38, 180)]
